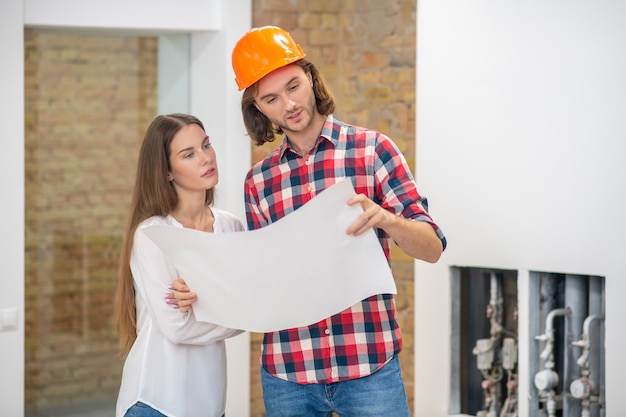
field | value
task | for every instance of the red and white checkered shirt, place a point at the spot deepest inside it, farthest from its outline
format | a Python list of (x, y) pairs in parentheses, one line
[(359, 340)]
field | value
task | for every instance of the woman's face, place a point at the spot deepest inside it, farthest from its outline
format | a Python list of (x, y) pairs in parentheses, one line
[(192, 160)]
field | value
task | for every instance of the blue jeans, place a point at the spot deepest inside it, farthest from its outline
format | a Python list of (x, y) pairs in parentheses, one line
[(380, 394), (143, 410), (140, 409)]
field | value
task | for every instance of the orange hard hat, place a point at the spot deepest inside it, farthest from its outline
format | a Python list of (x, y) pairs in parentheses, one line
[(261, 51)]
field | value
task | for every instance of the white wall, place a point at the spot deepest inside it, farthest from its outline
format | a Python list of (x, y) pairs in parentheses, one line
[(521, 150), (215, 26)]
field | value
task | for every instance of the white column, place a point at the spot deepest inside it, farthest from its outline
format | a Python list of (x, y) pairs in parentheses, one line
[(215, 100), (12, 207)]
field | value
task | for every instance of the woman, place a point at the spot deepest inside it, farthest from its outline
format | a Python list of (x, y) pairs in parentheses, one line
[(176, 366)]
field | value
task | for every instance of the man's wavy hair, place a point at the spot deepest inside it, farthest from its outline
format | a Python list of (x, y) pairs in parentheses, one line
[(260, 128)]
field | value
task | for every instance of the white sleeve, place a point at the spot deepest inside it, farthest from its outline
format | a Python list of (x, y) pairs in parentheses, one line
[(153, 273), (227, 222)]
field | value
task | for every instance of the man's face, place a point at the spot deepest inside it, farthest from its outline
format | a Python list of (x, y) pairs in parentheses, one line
[(285, 96)]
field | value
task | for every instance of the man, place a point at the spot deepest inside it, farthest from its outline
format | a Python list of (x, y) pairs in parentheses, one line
[(347, 363)]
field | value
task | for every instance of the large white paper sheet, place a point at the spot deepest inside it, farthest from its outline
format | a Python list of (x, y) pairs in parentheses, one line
[(292, 273)]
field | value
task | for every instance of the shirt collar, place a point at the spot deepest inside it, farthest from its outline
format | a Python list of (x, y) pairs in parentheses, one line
[(330, 132)]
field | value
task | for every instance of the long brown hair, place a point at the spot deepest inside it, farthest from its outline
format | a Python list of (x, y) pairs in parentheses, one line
[(260, 128), (153, 195)]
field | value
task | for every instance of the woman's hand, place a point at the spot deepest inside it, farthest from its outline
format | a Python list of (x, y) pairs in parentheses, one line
[(181, 296)]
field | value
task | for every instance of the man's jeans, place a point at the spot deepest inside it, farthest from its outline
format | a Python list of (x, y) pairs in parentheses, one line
[(380, 394)]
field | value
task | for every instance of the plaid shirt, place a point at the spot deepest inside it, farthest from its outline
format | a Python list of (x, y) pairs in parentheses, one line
[(361, 339)]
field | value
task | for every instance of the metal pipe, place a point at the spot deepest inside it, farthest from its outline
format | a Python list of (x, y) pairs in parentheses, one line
[(547, 379), (548, 336), (495, 296), (544, 286), (576, 297), (584, 387), (596, 352), (496, 374), (585, 341)]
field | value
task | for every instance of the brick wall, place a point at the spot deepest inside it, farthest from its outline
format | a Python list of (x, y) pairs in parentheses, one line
[(366, 51), (88, 102)]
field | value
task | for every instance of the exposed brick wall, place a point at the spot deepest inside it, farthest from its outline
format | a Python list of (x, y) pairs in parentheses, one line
[(88, 102), (366, 51)]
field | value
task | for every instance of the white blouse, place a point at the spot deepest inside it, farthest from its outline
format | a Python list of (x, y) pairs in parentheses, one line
[(177, 365)]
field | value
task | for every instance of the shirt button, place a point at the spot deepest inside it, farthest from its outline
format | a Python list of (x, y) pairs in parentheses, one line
[(327, 331), (310, 188)]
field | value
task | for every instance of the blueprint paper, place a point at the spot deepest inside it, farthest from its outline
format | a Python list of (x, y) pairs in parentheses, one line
[(294, 272)]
